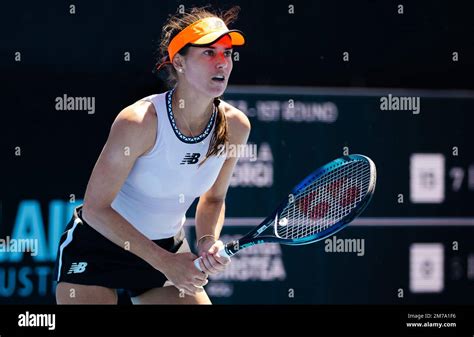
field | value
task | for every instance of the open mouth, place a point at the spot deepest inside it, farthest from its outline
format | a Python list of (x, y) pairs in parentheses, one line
[(218, 78)]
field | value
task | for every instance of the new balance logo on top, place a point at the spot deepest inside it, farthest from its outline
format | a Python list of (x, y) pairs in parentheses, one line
[(77, 267), (190, 158)]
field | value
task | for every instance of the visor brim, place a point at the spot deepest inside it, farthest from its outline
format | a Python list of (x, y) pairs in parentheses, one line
[(236, 36)]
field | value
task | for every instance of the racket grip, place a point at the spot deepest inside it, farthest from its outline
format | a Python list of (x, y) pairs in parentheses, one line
[(221, 252)]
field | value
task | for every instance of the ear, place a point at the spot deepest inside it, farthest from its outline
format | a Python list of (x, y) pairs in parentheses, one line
[(178, 62)]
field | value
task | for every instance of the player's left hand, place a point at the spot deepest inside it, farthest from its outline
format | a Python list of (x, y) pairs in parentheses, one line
[(211, 262)]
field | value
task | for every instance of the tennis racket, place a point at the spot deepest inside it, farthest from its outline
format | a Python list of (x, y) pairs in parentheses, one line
[(318, 207)]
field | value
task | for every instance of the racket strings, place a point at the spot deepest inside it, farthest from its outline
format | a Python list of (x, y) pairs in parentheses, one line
[(324, 201)]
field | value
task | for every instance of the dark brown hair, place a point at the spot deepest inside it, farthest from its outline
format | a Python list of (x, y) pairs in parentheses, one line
[(171, 28)]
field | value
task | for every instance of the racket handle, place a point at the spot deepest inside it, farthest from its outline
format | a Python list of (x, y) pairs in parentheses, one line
[(221, 252)]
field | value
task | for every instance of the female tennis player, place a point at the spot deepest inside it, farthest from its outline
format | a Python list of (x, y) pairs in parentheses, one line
[(162, 152)]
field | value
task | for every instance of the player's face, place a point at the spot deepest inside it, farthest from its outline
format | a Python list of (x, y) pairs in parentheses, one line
[(208, 68)]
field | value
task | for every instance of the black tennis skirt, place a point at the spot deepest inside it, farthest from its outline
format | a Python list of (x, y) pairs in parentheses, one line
[(87, 257)]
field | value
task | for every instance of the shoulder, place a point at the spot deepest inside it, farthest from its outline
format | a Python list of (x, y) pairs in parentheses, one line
[(237, 121), (137, 124), (139, 114)]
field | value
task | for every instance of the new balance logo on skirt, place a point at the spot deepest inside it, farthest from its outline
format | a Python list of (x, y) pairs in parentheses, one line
[(77, 267), (190, 158)]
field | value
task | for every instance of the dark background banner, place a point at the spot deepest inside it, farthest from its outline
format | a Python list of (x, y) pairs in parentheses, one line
[(321, 125), (300, 129)]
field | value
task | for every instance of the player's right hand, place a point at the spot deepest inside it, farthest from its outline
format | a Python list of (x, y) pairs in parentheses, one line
[(180, 270)]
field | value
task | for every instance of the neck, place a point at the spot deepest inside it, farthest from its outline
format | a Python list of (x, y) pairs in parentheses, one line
[(192, 106)]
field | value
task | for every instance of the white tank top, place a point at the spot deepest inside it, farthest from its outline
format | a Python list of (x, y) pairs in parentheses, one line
[(163, 183)]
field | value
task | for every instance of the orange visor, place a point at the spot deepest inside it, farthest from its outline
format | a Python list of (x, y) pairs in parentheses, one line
[(203, 32)]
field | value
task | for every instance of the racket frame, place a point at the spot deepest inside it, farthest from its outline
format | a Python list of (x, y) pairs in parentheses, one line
[(254, 236)]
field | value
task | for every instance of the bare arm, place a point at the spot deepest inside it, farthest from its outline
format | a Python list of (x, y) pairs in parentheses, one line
[(210, 212), (132, 134), (133, 128)]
